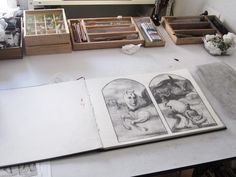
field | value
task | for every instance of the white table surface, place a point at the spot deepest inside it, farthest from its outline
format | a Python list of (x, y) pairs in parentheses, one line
[(137, 160)]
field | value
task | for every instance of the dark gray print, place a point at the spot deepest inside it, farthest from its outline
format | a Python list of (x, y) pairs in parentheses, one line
[(27, 170), (180, 103), (131, 110)]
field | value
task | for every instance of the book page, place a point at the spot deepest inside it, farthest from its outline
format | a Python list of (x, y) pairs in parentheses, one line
[(46, 121), (42, 169), (150, 107)]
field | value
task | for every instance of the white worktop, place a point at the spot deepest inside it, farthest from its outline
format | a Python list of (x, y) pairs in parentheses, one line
[(131, 161)]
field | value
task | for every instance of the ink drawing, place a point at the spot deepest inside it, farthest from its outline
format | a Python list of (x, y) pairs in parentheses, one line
[(132, 113)]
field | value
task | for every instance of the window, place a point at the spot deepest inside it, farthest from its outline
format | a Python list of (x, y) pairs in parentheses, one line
[(91, 2)]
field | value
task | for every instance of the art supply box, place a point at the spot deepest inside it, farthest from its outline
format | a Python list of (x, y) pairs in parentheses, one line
[(190, 29), (15, 52), (110, 32), (46, 32)]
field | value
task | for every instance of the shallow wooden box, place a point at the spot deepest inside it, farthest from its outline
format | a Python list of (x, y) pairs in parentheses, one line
[(188, 29), (147, 42), (110, 32), (14, 52), (41, 37)]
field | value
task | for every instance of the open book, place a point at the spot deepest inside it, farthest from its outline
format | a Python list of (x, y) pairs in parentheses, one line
[(54, 120)]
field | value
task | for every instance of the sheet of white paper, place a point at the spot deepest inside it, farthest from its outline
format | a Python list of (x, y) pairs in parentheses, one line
[(123, 120), (42, 169), (46, 121)]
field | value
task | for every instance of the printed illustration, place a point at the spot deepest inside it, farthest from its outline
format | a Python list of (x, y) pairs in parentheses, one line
[(131, 110), (180, 103), (27, 170)]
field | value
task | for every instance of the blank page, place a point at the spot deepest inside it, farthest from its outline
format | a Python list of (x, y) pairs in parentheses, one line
[(46, 121)]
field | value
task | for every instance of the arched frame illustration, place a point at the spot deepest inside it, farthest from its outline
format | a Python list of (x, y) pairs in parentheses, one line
[(180, 103), (132, 112)]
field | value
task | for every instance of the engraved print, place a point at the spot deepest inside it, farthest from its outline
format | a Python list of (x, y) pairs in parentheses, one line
[(180, 103), (131, 110)]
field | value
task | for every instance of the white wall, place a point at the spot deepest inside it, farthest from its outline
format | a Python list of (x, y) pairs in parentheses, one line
[(23, 4), (6, 4), (188, 7), (225, 8)]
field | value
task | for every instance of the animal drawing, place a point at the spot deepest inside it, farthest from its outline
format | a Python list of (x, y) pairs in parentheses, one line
[(112, 103), (171, 89), (139, 110), (185, 116)]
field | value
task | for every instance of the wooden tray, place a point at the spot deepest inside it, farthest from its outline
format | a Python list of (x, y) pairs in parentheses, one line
[(110, 32), (188, 29), (147, 42), (46, 29), (14, 52)]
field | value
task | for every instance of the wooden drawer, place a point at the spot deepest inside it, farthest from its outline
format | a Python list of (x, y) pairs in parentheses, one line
[(99, 33), (188, 29), (48, 49), (11, 53)]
